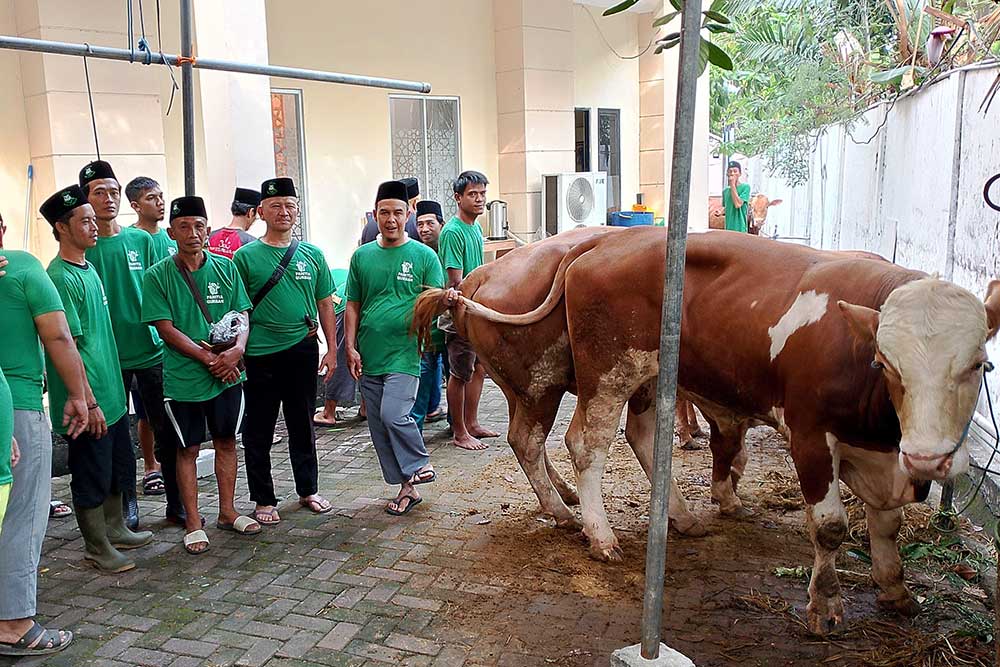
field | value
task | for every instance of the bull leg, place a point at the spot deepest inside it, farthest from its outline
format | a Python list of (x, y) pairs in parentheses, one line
[(567, 492), (740, 462), (818, 468), (727, 445), (682, 426), (692, 420), (639, 431), (588, 439), (526, 436), (887, 568)]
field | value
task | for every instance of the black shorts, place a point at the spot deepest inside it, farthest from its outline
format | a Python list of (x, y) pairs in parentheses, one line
[(223, 415), (461, 357), (101, 466)]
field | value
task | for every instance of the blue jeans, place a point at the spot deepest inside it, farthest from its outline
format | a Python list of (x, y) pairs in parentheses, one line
[(429, 391)]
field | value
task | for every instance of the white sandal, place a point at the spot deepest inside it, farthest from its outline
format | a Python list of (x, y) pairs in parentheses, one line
[(193, 538)]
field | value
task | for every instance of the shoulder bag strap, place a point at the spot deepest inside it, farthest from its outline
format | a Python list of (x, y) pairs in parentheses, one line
[(279, 271), (195, 292)]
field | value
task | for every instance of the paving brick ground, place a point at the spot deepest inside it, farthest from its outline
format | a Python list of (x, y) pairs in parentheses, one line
[(471, 577)]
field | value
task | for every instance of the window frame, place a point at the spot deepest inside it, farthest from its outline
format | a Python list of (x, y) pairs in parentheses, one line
[(303, 186)]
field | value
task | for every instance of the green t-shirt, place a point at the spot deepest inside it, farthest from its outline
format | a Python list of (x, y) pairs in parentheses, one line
[(340, 289), (89, 321), (386, 282), (163, 245), (165, 296), (277, 323), (736, 218), (26, 292), (121, 261), (460, 246), (6, 431)]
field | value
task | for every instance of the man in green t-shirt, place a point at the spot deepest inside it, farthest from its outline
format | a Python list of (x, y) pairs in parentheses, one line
[(383, 283), (339, 388), (30, 308), (283, 351), (202, 377), (430, 221), (121, 257), (735, 199), (9, 454), (101, 460), (460, 248)]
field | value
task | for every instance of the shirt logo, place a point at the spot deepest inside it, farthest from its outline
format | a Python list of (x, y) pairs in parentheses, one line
[(302, 271), (405, 272), (171, 250), (134, 264), (214, 293), (68, 199)]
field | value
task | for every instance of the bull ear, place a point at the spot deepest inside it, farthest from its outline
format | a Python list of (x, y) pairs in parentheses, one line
[(775, 202), (862, 321), (993, 308)]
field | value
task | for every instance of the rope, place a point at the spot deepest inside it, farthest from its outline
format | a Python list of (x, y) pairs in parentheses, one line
[(945, 521), (159, 47), (143, 42), (90, 98)]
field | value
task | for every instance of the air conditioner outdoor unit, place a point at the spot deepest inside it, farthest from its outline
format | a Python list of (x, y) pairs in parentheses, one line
[(574, 200)]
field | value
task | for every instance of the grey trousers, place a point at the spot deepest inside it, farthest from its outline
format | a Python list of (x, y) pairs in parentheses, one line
[(27, 516), (398, 442)]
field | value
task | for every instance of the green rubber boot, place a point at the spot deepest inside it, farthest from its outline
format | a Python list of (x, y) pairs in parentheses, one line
[(98, 549), (118, 533)]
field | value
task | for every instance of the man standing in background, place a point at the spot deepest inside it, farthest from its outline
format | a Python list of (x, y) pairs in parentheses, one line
[(121, 257), (736, 199), (228, 240), (339, 388), (146, 198), (460, 248), (430, 220), (291, 290)]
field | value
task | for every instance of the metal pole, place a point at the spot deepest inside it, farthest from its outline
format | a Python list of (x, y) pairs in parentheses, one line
[(107, 53), (670, 328), (187, 96)]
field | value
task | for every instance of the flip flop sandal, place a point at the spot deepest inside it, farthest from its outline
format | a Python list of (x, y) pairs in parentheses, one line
[(410, 505), (272, 513), (59, 510), (152, 484), (425, 477), (323, 503), (40, 637), (436, 416), (193, 538), (243, 525)]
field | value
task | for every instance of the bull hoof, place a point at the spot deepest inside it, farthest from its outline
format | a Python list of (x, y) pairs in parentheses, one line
[(691, 446), (906, 606), (698, 434), (692, 528), (738, 512), (607, 554), (824, 624)]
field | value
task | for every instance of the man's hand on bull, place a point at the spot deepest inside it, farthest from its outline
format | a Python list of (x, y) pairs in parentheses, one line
[(451, 297), (224, 364), (354, 363), (328, 364)]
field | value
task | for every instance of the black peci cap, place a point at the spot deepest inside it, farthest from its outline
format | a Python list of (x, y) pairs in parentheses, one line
[(188, 207), (61, 203)]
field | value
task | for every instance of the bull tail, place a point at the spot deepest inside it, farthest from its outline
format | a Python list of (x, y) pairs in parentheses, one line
[(425, 313)]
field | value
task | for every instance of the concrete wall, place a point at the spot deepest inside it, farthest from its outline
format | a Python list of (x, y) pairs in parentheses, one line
[(15, 155), (448, 43), (910, 191), (605, 80)]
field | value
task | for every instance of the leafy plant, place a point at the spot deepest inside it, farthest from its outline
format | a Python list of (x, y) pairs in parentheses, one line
[(715, 21)]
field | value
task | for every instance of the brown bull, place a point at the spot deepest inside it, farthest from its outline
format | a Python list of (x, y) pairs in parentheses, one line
[(533, 365), (871, 372)]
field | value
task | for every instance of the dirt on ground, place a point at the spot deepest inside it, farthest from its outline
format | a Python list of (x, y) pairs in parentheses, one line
[(734, 597)]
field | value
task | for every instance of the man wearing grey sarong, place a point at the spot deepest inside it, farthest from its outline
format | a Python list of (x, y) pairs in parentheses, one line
[(339, 388), (383, 283)]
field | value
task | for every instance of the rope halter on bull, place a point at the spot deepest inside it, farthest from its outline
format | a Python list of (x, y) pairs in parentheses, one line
[(943, 520)]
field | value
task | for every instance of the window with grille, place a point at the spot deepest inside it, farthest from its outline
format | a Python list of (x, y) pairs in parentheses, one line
[(427, 145), (289, 149)]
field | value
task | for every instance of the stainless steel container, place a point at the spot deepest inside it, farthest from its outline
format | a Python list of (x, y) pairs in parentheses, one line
[(498, 219)]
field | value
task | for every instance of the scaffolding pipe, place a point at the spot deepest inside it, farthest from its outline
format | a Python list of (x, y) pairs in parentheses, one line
[(670, 326), (187, 96), (108, 53)]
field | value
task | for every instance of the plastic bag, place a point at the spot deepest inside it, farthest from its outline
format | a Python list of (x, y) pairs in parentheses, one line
[(228, 328)]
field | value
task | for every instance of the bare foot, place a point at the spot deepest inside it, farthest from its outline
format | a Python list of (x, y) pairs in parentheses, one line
[(322, 419), (469, 442), (478, 431)]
